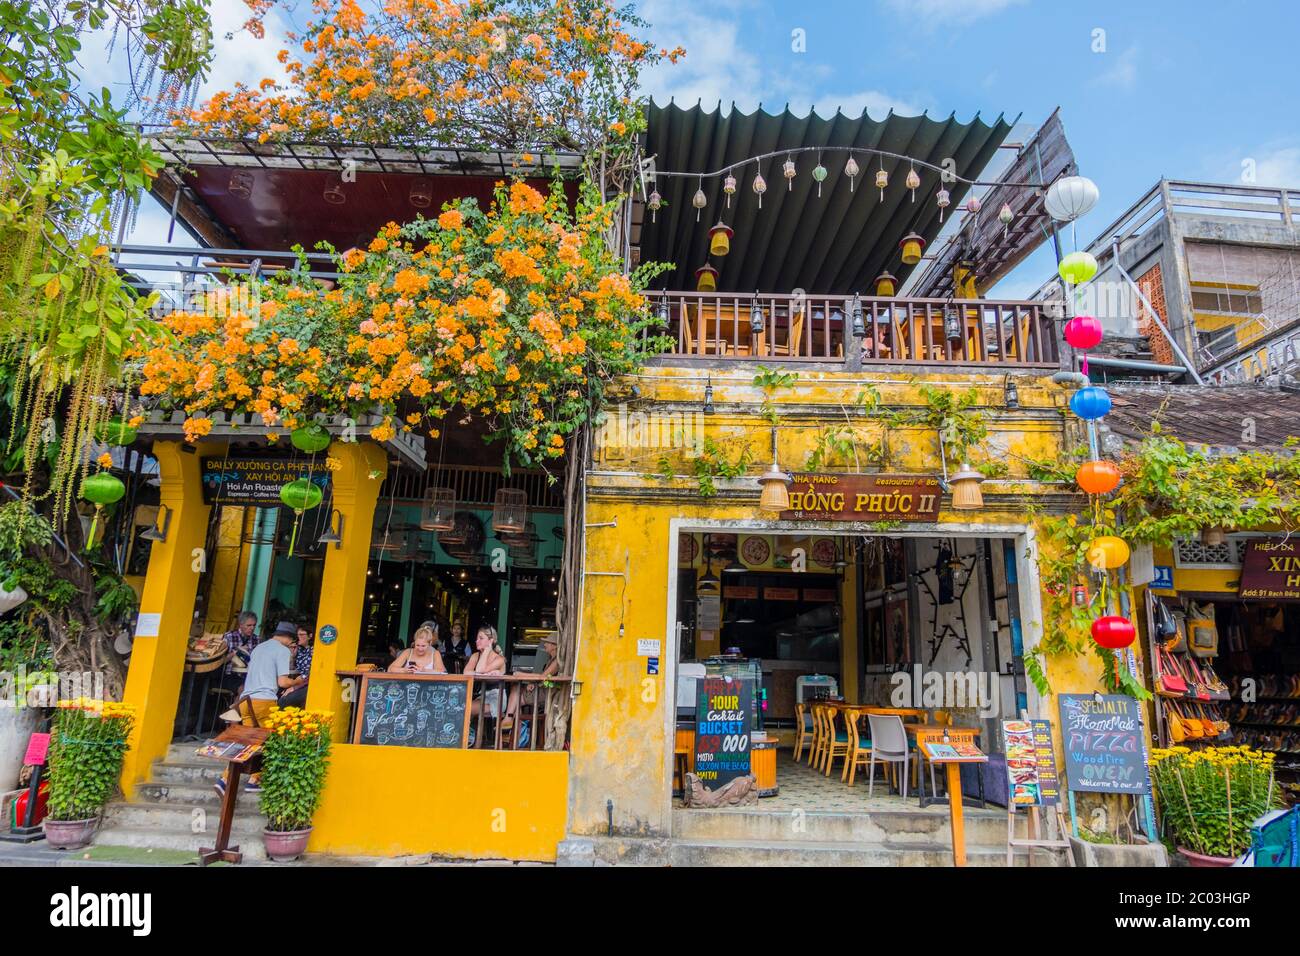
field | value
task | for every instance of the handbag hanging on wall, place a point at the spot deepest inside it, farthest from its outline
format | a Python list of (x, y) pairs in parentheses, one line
[(1202, 633), (1169, 682)]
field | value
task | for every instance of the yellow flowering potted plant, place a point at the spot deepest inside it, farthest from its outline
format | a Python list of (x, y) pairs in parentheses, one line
[(89, 740), (1209, 797), (295, 759)]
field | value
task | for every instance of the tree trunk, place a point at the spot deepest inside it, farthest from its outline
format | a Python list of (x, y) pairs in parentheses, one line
[(568, 609)]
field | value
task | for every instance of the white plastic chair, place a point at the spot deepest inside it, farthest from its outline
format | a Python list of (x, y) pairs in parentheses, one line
[(888, 745)]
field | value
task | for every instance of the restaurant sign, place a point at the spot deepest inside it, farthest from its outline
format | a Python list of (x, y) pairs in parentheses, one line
[(1270, 570), (864, 497), (256, 481)]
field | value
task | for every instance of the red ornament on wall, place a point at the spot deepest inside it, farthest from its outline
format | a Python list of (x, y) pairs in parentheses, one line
[(1113, 631)]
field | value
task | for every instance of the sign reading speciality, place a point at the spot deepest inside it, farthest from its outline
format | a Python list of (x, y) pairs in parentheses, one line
[(256, 481), (864, 497), (1031, 763), (1270, 570), (1103, 740), (723, 716)]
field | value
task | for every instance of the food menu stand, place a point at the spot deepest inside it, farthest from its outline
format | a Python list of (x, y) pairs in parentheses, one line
[(952, 755), (943, 734), (361, 682), (244, 744)]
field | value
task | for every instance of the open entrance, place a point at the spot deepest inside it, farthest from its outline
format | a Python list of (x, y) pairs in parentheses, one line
[(838, 642)]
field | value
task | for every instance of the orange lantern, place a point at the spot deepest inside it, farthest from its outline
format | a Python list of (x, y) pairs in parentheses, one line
[(1098, 477), (706, 278), (1108, 552), (912, 245), (720, 239)]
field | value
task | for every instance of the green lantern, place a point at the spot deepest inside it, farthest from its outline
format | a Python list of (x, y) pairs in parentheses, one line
[(310, 438), (1078, 267), (100, 489), (116, 432), (300, 495)]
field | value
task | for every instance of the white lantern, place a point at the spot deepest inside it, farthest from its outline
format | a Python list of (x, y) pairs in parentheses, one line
[(1071, 197)]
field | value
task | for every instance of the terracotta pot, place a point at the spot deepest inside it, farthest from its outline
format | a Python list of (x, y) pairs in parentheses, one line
[(1200, 859), (69, 834), (285, 845)]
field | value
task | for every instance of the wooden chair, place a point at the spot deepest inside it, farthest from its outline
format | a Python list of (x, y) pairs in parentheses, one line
[(837, 741), (804, 730), (791, 347), (859, 749), (819, 734)]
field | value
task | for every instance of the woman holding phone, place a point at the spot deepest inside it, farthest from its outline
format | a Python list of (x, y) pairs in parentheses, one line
[(421, 657)]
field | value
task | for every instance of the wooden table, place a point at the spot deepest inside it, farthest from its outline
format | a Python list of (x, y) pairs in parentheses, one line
[(916, 713), (221, 850)]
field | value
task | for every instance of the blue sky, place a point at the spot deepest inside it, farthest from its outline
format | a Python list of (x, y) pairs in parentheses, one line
[(1189, 90)]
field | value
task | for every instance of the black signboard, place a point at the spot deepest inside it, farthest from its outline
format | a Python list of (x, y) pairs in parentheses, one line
[(1104, 744), (724, 713), (235, 480), (414, 712)]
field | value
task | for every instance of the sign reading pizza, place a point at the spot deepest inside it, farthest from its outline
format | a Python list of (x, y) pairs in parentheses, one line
[(864, 497)]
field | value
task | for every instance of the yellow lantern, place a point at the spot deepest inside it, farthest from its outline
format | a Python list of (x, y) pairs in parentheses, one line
[(1108, 552), (776, 490), (885, 285), (966, 494), (912, 245), (720, 239), (706, 279)]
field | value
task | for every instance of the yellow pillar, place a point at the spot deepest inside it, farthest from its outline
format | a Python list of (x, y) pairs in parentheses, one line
[(343, 583), (963, 281), (153, 681)]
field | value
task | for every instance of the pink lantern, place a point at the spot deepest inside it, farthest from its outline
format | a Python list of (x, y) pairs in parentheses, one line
[(1113, 632), (1083, 332)]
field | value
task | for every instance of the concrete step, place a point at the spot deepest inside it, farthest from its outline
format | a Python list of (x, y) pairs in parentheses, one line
[(113, 834), (192, 793), (189, 771), (876, 828), (751, 853), (182, 817)]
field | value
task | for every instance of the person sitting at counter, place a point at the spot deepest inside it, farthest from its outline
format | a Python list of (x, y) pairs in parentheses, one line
[(486, 660), (421, 657), (296, 694), (545, 664)]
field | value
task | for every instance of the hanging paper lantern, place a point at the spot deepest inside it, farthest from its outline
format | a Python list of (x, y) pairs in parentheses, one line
[(759, 187), (1113, 632), (973, 205), (301, 495), (116, 432), (1070, 197), (943, 200), (851, 170), (1083, 331), (706, 278), (1005, 215), (1108, 553), (1078, 267), (1090, 403), (102, 488), (911, 244), (886, 285), (882, 180), (310, 438), (699, 201), (1098, 477), (729, 187), (720, 239), (913, 182), (654, 202), (819, 176), (788, 170)]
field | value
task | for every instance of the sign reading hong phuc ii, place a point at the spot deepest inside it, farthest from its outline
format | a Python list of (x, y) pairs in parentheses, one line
[(864, 497)]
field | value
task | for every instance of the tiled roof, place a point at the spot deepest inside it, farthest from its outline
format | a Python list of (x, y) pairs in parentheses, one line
[(1222, 417)]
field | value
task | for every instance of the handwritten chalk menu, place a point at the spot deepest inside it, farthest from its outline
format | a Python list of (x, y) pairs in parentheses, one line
[(723, 715), (413, 712), (1103, 738), (1031, 763)]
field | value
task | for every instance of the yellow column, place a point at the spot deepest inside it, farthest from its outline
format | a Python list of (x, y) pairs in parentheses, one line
[(153, 681), (343, 583), (963, 281)]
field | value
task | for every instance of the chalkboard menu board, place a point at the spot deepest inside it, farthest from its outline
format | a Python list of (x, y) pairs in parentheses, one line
[(1104, 742), (724, 713), (413, 712)]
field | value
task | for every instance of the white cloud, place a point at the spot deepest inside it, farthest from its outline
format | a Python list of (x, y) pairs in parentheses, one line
[(1121, 72), (1274, 167), (934, 13), (876, 102)]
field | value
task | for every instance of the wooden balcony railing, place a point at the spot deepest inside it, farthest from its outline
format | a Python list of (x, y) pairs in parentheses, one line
[(819, 328)]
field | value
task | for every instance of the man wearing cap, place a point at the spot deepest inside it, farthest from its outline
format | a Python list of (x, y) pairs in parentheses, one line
[(268, 672)]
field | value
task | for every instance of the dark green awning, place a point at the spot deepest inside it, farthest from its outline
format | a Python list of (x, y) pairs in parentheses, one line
[(835, 244)]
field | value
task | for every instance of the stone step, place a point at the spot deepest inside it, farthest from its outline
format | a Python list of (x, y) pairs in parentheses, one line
[(113, 834), (877, 827), (191, 771), (192, 793), (751, 853), (182, 817)]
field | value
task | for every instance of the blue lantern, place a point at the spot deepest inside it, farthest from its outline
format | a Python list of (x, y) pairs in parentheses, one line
[(1090, 403)]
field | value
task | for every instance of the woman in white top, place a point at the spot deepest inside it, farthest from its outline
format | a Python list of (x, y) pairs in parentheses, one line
[(487, 659), (421, 657)]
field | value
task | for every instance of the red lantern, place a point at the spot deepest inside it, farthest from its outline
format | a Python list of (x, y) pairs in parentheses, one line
[(1113, 632), (1083, 332), (1098, 477)]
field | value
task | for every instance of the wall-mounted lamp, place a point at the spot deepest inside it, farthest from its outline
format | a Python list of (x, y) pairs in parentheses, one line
[(708, 396), (951, 324), (775, 484), (1012, 393), (334, 531), (158, 530), (859, 327), (756, 316)]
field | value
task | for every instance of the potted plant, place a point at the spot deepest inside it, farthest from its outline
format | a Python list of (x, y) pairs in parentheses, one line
[(1209, 797), (295, 759), (89, 740)]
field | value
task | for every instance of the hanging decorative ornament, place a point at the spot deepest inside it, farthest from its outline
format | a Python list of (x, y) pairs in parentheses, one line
[(1098, 477), (654, 202), (882, 180), (973, 205), (886, 285), (1108, 553), (788, 170), (819, 176), (911, 244), (1113, 632), (1090, 403), (706, 278), (851, 170), (300, 496), (729, 187), (1005, 215), (720, 239), (310, 438), (913, 182), (116, 432), (699, 201), (1070, 197), (1083, 332), (943, 200), (100, 489), (760, 187), (1078, 267)]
